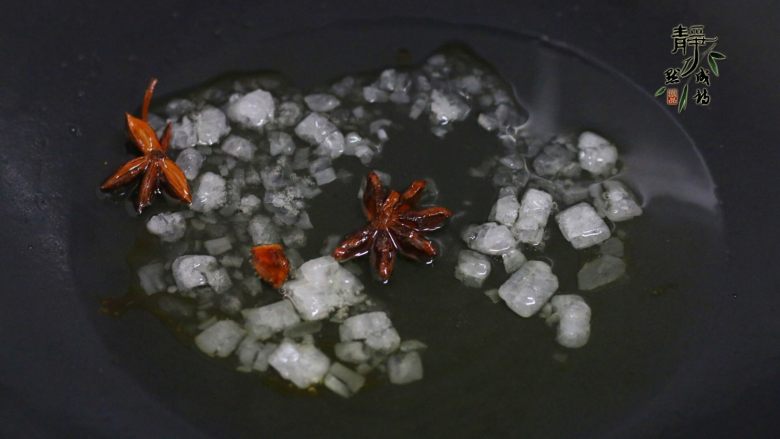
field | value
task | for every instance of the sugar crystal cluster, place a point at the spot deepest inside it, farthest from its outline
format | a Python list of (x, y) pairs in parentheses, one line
[(569, 182)]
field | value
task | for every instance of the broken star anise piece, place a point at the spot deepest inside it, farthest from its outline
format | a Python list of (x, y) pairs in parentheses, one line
[(271, 264), (154, 164), (395, 226)]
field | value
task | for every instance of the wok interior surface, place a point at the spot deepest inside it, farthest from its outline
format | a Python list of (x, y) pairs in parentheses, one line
[(488, 372), (699, 361)]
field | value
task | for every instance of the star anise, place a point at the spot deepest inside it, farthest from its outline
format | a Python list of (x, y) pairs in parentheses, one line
[(154, 163), (395, 226)]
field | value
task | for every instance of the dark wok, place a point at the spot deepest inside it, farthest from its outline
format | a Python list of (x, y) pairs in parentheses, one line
[(71, 68)]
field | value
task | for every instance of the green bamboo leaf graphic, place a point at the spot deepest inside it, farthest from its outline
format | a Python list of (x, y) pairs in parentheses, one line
[(660, 91), (687, 67), (683, 100), (713, 65), (718, 55)]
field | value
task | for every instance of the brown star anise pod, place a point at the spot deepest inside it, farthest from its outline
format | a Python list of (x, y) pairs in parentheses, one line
[(154, 163), (395, 226)]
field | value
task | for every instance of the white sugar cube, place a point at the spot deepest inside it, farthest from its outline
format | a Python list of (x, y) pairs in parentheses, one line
[(582, 226)]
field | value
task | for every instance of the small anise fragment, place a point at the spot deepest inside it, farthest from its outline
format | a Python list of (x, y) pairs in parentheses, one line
[(271, 264)]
